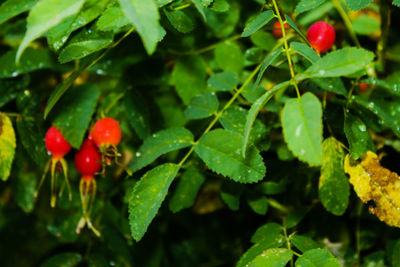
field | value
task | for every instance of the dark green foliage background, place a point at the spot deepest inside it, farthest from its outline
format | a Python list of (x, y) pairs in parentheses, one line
[(93, 63)]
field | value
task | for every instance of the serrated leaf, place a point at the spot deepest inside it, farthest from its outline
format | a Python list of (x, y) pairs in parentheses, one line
[(305, 5), (267, 231), (371, 181), (31, 60), (12, 8), (223, 24), (112, 19), (257, 23), (356, 5), (160, 143), (272, 240), (303, 243), (31, 135), (333, 85), (147, 196), (273, 257), (357, 135), (138, 113), (255, 109), (80, 100), (266, 63), (302, 128), (180, 20), (186, 190), (223, 156), (383, 110), (223, 81), (317, 258), (83, 44), (91, 9), (202, 106), (229, 57), (334, 190), (7, 144), (339, 63), (304, 50), (143, 14), (396, 3), (220, 6), (45, 15), (189, 77), (67, 259)]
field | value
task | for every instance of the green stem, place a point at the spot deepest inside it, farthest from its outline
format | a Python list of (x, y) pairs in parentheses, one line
[(278, 206), (338, 5), (385, 23)]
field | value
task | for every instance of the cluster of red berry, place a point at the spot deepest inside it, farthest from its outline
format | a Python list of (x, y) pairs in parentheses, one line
[(93, 154)]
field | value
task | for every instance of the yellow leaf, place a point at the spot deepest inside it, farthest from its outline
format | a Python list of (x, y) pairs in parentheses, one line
[(373, 182), (7, 146)]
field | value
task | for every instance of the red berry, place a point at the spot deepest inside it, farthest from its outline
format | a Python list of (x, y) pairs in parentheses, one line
[(363, 86), (106, 131), (87, 159), (277, 30), (321, 36), (56, 143)]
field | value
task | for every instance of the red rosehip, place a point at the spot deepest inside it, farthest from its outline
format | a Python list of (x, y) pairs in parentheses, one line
[(56, 143), (363, 86), (87, 159), (321, 36), (107, 132), (277, 30)]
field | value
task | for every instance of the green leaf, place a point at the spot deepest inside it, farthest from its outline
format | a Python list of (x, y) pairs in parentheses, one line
[(220, 6), (357, 135), (24, 187), (229, 57), (396, 3), (161, 143), (7, 144), (255, 109), (31, 60), (224, 157), (305, 5), (202, 106), (67, 259), (230, 194), (258, 203), (91, 9), (234, 119), (273, 257), (180, 20), (143, 14), (391, 83), (189, 77), (31, 135), (395, 256), (112, 19), (199, 8), (80, 100), (186, 190), (334, 189), (12, 8), (257, 23), (317, 258), (382, 110), (147, 196), (365, 25), (271, 240), (334, 85), (267, 231), (357, 4), (45, 15), (223, 24), (84, 44), (304, 50), (302, 128), (267, 62), (138, 113), (295, 216), (223, 81), (294, 26), (264, 40), (303, 243), (10, 88), (339, 63)]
